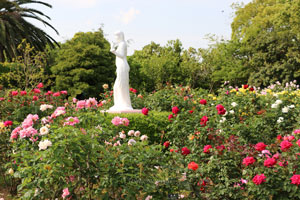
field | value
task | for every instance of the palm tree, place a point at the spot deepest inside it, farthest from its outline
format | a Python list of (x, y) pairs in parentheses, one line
[(14, 27)]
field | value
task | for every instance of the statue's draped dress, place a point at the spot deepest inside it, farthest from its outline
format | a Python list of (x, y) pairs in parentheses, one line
[(121, 86)]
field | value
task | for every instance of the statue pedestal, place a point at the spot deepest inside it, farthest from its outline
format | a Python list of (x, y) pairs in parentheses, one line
[(122, 111)]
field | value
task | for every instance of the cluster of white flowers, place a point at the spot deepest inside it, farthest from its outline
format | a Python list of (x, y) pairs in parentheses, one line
[(287, 108), (44, 107), (44, 144), (276, 104)]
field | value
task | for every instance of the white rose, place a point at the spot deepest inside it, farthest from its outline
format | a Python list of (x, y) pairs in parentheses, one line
[(131, 142), (231, 112), (44, 130), (11, 171), (280, 119), (292, 106), (278, 102), (274, 105), (44, 144), (144, 137), (131, 133), (137, 133), (285, 110), (122, 135), (233, 104), (223, 120)]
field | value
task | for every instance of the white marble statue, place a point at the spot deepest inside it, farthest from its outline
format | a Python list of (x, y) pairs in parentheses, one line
[(121, 87)]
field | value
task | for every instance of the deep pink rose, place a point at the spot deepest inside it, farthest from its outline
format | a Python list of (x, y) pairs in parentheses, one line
[(40, 85), (145, 111), (65, 193), (203, 102), (260, 146), (248, 161), (221, 109), (35, 98), (64, 92), (204, 120), (170, 117), (296, 179), (56, 94), (269, 162), (8, 123), (206, 148), (285, 145), (23, 93), (259, 179), (14, 93), (36, 91), (175, 110)]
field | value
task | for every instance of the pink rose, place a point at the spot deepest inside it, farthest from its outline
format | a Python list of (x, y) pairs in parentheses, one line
[(65, 193), (64, 92), (56, 94), (23, 93), (36, 91), (14, 93), (116, 121), (80, 104)]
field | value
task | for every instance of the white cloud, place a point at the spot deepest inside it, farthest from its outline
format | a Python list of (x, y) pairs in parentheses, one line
[(128, 16)]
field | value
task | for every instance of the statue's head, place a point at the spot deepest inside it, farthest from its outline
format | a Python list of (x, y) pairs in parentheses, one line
[(119, 35)]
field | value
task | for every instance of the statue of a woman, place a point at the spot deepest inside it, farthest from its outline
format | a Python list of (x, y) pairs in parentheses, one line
[(121, 86)]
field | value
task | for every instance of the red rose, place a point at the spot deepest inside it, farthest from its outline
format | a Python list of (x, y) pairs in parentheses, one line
[(296, 179), (14, 93), (170, 117), (56, 94), (192, 165), (145, 111), (166, 144), (130, 89), (269, 162), (259, 179), (36, 91), (8, 123), (23, 93), (203, 102), (175, 110), (171, 150), (285, 145), (40, 85), (206, 148), (221, 109), (248, 161), (260, 146), (245, 86), (191, 111), (185, 151), (251, 89), (279, 137), (35, 98), (204, 120), (221, 147)]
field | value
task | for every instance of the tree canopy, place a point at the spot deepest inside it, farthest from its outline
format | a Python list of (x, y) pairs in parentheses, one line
[(14, 27), (83, 64)]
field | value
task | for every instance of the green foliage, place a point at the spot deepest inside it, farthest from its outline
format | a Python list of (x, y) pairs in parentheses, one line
[(268, 33), (84, 64), (155, 66), (26, 71), (14, 27)]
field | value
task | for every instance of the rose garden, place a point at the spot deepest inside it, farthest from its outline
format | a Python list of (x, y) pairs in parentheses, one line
[(212, 123)]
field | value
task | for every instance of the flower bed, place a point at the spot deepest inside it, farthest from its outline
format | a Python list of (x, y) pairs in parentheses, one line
[(243, 143)]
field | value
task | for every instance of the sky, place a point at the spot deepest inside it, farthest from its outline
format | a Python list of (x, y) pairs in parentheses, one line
[(143, 21)]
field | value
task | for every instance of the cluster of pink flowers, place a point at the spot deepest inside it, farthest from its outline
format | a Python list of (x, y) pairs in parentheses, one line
[(59, 111), (89, 103), (259, 179), (120, 121), (26, 129), (71, 121)]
